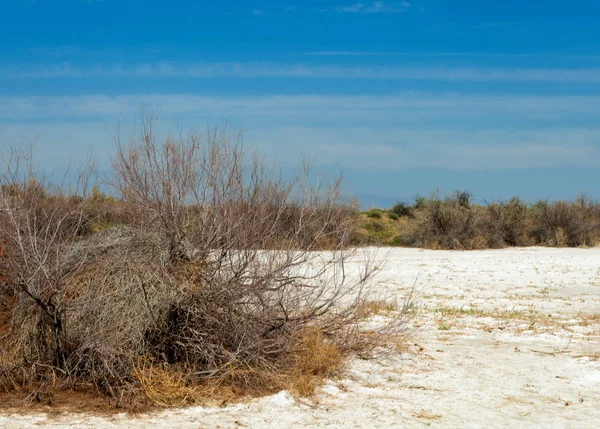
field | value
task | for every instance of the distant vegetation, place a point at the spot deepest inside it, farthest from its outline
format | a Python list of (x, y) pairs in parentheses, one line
[(455, 222)]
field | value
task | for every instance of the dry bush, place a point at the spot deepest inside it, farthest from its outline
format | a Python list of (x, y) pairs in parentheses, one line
[(562, 223), (455, 222), (38, 224), (506, 223), (449, 223), (105, 211), (215, 284)]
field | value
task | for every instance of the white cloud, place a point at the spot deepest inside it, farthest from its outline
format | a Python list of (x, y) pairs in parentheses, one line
[(258, 12), (374, 7), (259, 69), (358, 7)]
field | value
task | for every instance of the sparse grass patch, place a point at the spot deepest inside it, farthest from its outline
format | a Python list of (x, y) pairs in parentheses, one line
[(594, 357), (529, 316), (445, 325), (367, 309), (446, 311), (588, 319)]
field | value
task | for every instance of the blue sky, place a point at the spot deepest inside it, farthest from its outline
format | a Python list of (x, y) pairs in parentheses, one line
[(498, 97)]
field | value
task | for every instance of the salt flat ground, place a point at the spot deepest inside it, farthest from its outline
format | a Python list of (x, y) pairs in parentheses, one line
[(502, 338)]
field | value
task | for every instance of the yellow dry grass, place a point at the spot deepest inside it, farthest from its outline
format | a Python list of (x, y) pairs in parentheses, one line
[(313, 360), (164, 387), (588, 319)]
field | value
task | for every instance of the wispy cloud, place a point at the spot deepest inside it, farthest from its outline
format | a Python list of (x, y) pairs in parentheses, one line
[(374, 7), (351, 9), (58, 51), (258, 12), (400, 108), (549, 55), (257, 70), (356, 148), (366, 133)]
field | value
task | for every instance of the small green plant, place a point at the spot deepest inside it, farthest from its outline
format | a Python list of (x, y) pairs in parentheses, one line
[(393, 216)]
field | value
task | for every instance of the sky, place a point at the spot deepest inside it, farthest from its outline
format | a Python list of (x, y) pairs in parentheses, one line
[(500, 98)]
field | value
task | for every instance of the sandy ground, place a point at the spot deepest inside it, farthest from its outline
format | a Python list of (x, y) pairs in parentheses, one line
[(507, 338)]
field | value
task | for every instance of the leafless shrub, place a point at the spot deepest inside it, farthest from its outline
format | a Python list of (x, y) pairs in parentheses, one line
[(215, 281), (562, 223), (248, 236), (36, 227), (506, 223), (448, 223)]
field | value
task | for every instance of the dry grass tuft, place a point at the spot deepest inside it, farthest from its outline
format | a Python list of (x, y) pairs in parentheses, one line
[(165, 387), (310, 360), (588, 319), (313, 359)]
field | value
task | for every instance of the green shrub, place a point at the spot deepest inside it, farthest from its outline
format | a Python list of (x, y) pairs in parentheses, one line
[(374, 214), (393, 216), (462, 198), (402, 209), (420, 202)]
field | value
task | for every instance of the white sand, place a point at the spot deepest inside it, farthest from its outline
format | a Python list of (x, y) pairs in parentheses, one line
[(500, 362)]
